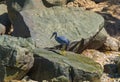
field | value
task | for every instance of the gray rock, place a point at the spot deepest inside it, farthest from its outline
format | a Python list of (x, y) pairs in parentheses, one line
[(60, 20), (69, 68), (94, 42), (83, 28), (41, 23), (16, 58)]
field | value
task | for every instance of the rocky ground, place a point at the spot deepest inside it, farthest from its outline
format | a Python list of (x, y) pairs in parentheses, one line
[(20, 21), (110, 10)]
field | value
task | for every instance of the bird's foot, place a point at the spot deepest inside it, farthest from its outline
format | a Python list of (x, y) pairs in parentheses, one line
[(63, 52)]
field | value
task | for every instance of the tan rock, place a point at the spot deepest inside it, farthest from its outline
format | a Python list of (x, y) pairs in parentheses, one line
[(97, 56), (111, 44), (2, 29), (82, 3), (107, 60), (3, 9)]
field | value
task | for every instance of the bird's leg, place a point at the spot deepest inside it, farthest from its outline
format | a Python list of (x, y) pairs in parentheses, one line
[(63, 52)]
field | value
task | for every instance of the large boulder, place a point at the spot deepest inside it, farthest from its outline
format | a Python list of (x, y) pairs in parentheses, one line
[(16, 58), (39, 23), (53, 67)]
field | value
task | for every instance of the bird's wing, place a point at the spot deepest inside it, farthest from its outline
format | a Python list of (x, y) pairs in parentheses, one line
[(63, 40)]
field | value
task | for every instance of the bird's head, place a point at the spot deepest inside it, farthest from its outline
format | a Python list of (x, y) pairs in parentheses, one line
[(54, 34)]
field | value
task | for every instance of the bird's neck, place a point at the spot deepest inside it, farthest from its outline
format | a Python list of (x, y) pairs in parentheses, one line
[(55, 35)]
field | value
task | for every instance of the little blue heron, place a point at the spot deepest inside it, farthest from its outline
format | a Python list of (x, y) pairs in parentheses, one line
[(62, 40)]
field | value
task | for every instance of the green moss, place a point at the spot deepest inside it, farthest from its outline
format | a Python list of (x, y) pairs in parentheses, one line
[(71, 59), (86, 63)]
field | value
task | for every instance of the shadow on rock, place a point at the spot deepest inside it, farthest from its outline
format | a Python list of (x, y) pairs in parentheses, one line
[(20, 27), (2, 1), (111, 70), (75, 46), (5, 23), (112, 24), (70, 68)]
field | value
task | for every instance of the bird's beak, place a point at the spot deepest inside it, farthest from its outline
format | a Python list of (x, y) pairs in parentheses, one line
[(51, 36)]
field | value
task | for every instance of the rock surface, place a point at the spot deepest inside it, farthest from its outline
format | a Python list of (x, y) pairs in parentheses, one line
[(109, 60), (40, 18), (71, 67), (15, 58), (111, 44), (97, 56), (109, 9), (41, 23)]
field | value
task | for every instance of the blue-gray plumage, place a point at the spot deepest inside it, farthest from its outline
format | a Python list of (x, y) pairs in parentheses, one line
[(61, 39)]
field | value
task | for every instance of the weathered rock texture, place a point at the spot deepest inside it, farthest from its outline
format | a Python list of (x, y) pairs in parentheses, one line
[(109, 9), (70, 68), (16, 58), (41, 23), (97, 56), (111, 44), (39, 19)]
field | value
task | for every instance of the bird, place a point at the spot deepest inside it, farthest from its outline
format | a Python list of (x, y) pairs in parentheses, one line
[(61, 40)]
